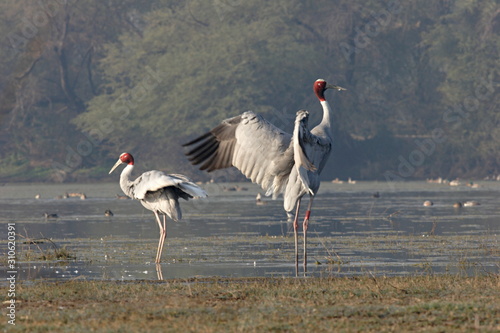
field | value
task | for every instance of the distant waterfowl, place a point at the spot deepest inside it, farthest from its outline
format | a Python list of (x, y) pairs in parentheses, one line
[(108, 213), (64, 196), (350, 181), (122, 197), (229, 189), (471, 203), (436, 181), (428, 203), (455, 182), (37, 196), (258, 200), (337, 181), (376, 195), (240, 188), (50, 216), (80, 195)]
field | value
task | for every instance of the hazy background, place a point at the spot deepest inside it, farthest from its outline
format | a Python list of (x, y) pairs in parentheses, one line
[(83, 81)]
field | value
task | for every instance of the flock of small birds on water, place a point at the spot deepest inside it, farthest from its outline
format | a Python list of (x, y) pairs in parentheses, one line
[(82, 196), (67, 195), (455, 182), (458, 204), (259, 201), (429, 203)]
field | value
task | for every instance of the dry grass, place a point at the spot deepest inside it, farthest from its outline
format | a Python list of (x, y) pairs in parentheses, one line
[(433, 303), (43, 249)]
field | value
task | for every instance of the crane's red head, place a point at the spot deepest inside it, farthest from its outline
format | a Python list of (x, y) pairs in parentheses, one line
[(127, 158), (320, 87)]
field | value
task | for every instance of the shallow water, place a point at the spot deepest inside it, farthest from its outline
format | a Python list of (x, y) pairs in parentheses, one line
[(351, 232)]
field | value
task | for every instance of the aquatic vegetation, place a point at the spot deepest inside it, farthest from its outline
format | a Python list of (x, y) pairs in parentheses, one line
[(43, 249)]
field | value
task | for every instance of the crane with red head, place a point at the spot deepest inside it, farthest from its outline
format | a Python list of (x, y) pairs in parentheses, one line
[(157, 192), (279, 162)]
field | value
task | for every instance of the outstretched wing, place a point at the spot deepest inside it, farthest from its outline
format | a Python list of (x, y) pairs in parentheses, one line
[(260, 150), (154, 180)]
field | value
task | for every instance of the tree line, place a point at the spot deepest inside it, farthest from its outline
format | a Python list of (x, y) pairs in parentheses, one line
[(83, 81)]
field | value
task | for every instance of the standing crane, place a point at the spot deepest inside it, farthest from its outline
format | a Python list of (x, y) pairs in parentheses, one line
[(277, 161), (157, 192)]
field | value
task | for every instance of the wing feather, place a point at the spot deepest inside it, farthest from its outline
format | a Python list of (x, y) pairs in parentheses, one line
[(310, 152), (154, 180), (301, 136), (260, 150), (205, 151)]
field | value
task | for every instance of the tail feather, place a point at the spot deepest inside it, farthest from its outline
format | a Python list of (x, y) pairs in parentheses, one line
[(171, 207), (193, 189)]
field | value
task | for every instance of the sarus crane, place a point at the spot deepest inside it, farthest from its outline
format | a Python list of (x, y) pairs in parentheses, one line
[(157, 192), (279, 162)]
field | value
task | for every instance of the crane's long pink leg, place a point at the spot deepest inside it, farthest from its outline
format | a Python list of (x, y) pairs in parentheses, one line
[(295, 232), (159, 240), (159, 272), (305, 226), (162, 237)]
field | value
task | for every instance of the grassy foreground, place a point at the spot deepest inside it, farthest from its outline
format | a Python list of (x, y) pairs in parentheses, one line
[(433, 303)]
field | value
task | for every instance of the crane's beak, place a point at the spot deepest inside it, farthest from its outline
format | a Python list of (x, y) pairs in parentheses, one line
[(331, 86), (115, 166)]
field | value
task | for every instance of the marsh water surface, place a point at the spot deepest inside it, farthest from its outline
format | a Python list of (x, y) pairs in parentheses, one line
[(352, 231)]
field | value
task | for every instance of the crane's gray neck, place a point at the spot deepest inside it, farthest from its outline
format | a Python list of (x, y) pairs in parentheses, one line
[(126, 184), (326, 122)]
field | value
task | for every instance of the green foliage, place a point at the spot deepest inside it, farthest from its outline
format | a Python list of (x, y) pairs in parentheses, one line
[(116, 76), (201, 70), (465, 48)]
